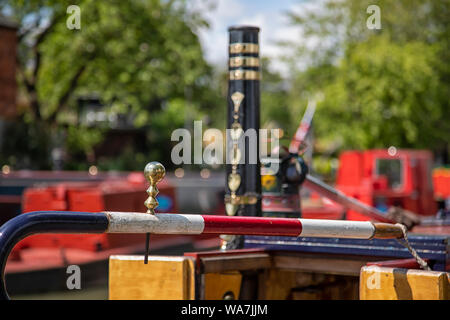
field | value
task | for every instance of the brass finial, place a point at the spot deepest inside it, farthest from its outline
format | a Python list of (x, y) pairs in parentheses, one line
[(154, 172)]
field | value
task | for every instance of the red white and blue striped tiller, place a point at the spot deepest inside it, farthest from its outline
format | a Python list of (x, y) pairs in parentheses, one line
[(189, 224)]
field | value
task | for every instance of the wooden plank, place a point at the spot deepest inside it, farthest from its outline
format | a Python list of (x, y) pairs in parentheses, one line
[(219, 264), (328, 264), (398, 263), (377, 283), (344, 288), (306, 262), (214, 253), (275, 284), (219, 284), (163, 278)]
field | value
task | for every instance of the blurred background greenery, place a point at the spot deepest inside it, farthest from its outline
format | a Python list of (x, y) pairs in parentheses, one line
[(111, 93)]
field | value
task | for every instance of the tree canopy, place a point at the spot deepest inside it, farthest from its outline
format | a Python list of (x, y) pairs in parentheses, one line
[(381, 87), (138, 57)]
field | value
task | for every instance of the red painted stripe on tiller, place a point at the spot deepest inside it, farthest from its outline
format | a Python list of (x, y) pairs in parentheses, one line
[(252, 226)]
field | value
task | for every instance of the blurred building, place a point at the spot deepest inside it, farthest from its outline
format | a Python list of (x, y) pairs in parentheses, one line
[(93, 113), (8, 85), (120, 130)]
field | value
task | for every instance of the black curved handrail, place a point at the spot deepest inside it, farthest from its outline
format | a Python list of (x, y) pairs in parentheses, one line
[(30, 223)]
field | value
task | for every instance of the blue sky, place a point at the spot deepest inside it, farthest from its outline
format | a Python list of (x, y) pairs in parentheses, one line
[(268, 15)]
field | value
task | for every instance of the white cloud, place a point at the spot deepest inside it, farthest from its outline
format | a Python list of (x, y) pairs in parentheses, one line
[(269, 16)]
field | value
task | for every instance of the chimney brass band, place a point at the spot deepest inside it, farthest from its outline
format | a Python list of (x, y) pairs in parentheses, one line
[(242, 74), (244, 48), (242, 61)]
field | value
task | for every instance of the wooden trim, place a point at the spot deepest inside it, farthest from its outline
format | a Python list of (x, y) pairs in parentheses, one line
[(164, 277), (236, 263), (377, 283), (336, 265)]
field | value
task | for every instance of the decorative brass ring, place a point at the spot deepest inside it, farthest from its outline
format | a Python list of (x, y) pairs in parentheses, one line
[(241, 74), (244, 48), (244, 62)]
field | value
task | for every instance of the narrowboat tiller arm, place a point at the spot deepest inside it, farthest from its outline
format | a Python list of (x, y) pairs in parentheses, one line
[(37, 222)]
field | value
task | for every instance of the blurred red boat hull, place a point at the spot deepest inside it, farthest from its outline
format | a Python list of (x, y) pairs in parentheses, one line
[(42, 253)]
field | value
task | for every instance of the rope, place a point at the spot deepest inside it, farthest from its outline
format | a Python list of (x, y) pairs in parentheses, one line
[(422, 263)]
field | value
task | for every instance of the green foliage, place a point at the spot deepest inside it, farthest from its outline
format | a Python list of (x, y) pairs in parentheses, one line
[(275, 111), (134, 55), (26, 145), (82, 140), (381, 87), (385, 94), (128, 160), (173, 116)]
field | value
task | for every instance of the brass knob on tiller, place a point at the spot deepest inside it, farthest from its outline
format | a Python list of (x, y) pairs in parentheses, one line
[(154, 172)]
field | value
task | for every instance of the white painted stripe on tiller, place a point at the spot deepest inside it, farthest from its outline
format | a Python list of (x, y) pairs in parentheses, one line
[(337, 229), (134, 222)]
